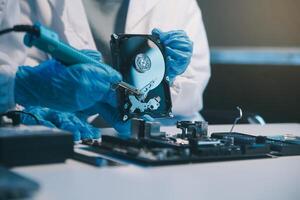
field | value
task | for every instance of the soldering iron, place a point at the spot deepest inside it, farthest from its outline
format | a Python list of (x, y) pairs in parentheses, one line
[(48, 41)]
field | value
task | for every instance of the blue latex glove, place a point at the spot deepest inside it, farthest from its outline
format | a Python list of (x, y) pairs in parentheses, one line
[(179, 50), (62, 120), (112, 116), (72, 88), (111, 97)]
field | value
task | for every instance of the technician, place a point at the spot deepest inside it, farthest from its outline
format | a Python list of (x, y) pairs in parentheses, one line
[(49, 84), (88, 25), (78, 27)]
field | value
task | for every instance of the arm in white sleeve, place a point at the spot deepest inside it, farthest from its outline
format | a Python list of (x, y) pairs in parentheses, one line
[(12, 53), (30, 14), (66, 18), (188, 88), (7, 75)]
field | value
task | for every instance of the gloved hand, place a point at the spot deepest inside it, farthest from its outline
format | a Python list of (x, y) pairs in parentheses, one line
[(179, 50), (111, 97), (111, 115), (62, 120), (71, 88)]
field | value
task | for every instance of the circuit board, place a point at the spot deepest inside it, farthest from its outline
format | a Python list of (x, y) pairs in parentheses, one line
[(148, 146)]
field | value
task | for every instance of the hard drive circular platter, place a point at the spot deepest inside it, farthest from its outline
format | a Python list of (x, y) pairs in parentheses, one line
[(141, 61)]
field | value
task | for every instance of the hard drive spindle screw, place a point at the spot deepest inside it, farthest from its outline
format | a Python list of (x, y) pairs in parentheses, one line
[(125, 117)]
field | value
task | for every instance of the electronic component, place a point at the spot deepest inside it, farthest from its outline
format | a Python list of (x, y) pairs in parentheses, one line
[(148, 145), (140, 60), (284, 144), (28, 145), (286, 138), (131, 90), (276, 145), (250, 145)]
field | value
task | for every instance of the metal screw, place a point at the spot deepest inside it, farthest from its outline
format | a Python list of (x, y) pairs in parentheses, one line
[(125, 117), (167, 79), (115, 36)]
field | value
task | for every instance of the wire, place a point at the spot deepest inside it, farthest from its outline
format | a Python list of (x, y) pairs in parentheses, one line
[(21, 28), (34, 31), (11, 114), (6, 31), (237, 118)]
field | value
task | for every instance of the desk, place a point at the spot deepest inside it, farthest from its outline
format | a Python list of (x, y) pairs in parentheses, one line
[(274, 178)]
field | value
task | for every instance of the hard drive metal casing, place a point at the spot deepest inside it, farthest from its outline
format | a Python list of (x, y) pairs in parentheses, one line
[(126, 50)]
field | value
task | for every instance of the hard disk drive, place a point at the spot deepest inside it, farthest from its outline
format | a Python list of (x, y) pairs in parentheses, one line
[(140, 60)]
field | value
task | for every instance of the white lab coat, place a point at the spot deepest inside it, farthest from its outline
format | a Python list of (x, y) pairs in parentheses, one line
[(11, 52), (68, 18)]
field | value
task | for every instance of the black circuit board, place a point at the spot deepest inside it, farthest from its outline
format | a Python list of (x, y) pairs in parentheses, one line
[(151, 147)]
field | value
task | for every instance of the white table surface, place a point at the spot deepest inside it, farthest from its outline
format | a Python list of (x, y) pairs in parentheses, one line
[(274, 178)]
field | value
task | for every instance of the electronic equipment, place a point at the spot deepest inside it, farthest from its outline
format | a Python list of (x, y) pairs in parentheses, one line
[(277, 147), (147, 145), (15, 186), (29, 145), (141, 61)]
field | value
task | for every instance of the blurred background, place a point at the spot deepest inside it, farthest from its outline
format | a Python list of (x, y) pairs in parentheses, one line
[(255, 57)]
